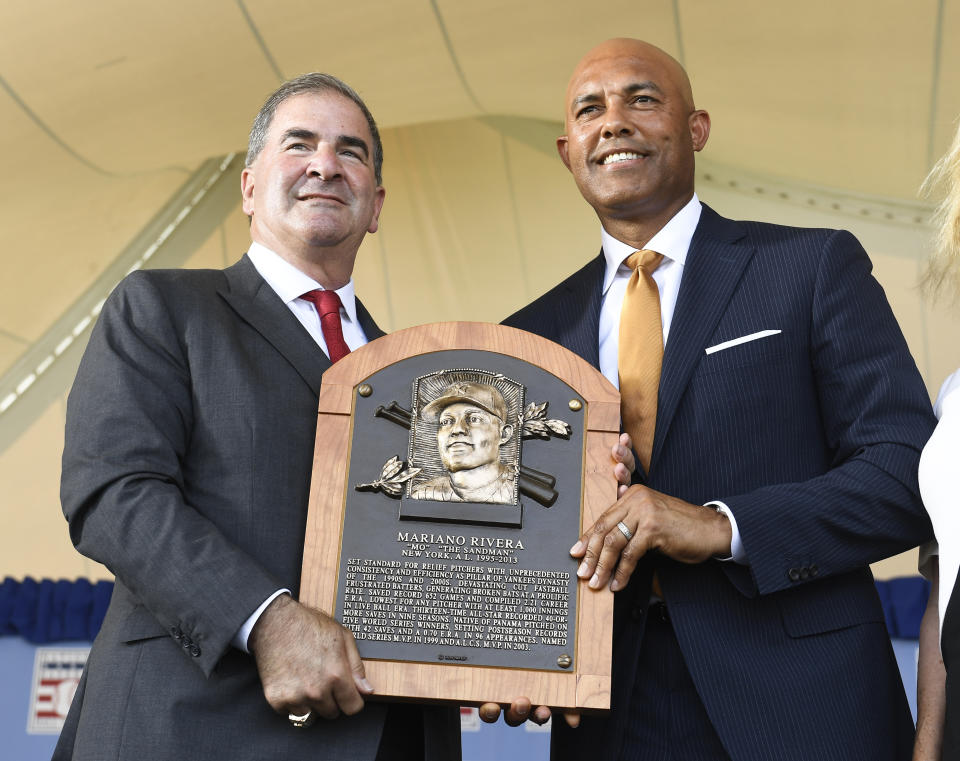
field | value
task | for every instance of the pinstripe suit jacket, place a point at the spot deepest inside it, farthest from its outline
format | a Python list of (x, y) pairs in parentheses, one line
[(812, 438), (186, 470)]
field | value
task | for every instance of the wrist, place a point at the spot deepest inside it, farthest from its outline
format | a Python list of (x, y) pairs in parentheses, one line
[(262, 627), (723, 549)]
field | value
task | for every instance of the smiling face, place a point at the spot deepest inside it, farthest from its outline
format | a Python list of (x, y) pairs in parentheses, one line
[(632, 131), (312, 187), (469, 437)]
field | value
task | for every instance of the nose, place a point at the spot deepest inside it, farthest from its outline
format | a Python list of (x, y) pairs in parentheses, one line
[(615, 122), (325, 163), (458, 426)]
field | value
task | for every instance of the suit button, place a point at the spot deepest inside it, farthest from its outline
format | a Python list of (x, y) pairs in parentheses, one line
[(176, 633), (637, 613), (814, 570), (186, 641), (793, 574), (804, 573), (194, 651)]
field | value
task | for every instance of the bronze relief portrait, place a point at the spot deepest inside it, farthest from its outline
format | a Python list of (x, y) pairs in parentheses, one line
[(466, 437)]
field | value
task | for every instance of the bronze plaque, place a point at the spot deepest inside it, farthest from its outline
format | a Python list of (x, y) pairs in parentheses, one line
[(464, 490), (463, 499)]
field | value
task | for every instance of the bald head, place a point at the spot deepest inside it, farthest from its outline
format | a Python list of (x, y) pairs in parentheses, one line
[(619, 50), (631, 133)]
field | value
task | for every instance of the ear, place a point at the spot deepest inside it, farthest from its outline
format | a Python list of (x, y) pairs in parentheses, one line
[(377, 206), (699, 128), (246, 191), (562, 149), (506, 433)]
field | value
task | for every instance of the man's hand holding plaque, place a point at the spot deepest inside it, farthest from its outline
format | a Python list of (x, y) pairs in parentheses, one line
[(308, 662), (521, 710)]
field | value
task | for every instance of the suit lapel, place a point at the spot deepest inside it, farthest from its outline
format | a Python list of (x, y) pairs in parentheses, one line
[(577, 325), (714, 265), (258, 305), (370, 329)]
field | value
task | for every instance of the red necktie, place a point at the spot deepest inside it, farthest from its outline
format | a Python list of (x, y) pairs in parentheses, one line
[(328, 307)]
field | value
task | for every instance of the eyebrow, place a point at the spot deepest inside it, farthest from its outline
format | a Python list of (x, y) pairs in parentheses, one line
[(467, 411), (632, 88), (354, 142), (299, 133), (638, 86)]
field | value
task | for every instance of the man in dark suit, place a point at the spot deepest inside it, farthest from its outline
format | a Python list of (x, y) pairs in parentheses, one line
[(776, 462), (186, 471)]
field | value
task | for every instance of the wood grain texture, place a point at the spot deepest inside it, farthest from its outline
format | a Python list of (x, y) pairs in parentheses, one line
[(483, 336), (587, 686), (325, 516)]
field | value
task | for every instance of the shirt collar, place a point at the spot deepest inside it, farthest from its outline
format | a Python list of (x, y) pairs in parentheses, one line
[(949, 395), (290, 283), (672, 240)]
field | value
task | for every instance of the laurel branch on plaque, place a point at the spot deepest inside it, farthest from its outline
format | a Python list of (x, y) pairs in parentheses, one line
[(393, 476), (534, 423)]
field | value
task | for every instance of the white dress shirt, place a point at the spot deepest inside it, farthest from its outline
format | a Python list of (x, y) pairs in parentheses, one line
[(939, 487), (289, 283), (673, 241)]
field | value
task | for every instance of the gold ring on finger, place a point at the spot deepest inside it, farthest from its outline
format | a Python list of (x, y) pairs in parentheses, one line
[(303, 720)]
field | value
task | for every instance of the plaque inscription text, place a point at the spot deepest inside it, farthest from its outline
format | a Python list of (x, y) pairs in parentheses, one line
[(456, 604)]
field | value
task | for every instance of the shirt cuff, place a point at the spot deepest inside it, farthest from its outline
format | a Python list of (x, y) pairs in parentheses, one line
[(239, 640), (737, 553), (928, 553)]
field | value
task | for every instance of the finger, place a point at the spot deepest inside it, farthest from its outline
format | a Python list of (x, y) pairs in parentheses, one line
[(326, 707), (623, 453), (286, 697), (580, 547), (622, 474), (612, 546), (572, 717), (629, 557), (589, 548), (541, 715), (596, 542), (343, 681), (489, 712), (621, 490), (590, 543), (518, 712), (356, 664), (346, 695)]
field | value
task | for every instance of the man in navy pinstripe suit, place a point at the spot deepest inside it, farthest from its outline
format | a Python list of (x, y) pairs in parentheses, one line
[(789, 423)]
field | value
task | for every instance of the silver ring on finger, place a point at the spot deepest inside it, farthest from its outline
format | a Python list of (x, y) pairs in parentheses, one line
[(301, 721), (625, 531)]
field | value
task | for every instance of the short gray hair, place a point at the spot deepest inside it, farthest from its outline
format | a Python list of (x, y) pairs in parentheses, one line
[(306, 83)]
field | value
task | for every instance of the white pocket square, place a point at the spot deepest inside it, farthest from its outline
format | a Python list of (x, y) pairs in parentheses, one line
[(741, 340)]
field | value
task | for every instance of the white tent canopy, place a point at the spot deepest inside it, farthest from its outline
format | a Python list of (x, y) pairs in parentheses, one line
[(120, 119)]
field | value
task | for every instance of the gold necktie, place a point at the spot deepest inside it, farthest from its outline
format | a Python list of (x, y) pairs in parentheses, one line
[(641, 353)]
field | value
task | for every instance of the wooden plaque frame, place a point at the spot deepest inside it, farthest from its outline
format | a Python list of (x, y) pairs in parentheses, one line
[(587, 686)]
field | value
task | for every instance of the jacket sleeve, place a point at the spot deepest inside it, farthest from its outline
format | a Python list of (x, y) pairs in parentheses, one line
[(875, 416), (130, 426)]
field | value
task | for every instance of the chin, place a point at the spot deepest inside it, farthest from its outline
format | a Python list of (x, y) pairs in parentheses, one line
[(324, 238)]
